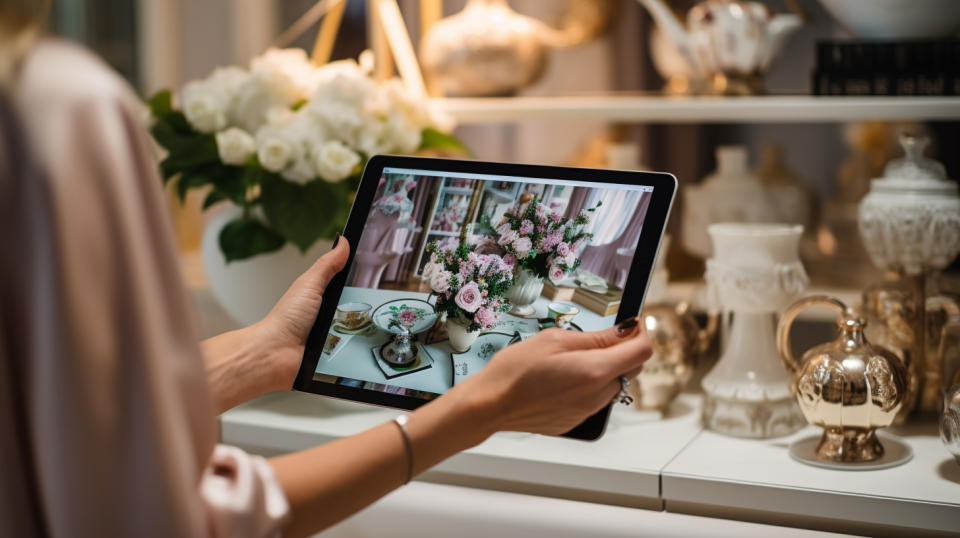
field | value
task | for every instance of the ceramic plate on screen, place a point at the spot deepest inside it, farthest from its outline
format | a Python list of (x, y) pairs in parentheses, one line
[(472, 360), (415, 314)]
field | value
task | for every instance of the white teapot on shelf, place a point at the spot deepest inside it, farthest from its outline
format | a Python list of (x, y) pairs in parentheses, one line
[(731, 43)]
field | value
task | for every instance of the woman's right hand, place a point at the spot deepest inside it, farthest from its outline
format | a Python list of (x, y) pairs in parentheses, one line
[(553, 381)]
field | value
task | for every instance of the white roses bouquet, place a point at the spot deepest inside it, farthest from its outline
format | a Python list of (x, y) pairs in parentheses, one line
[(287, 142), (471, 288)]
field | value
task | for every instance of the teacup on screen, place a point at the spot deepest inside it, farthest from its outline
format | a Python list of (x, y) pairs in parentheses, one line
[(353, 315), (563, 313)]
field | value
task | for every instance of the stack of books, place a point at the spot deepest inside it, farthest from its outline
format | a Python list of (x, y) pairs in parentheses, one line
[(857, 67), (558, 292), (605, 304)]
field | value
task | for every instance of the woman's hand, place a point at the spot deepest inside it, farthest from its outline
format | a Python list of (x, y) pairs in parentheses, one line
[(553, 381), (265, 357)]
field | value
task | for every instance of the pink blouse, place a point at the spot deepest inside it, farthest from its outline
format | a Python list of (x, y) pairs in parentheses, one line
[(106, 421)]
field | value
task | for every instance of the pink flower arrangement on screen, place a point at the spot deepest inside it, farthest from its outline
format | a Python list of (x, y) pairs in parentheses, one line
[(536, 238), (471, 288)]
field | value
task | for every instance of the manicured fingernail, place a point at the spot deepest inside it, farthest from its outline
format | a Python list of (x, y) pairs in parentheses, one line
[(335, 241), (626, 326)]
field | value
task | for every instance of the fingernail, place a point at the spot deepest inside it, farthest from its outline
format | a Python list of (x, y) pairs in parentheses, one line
[(335, 241), (626, 326)]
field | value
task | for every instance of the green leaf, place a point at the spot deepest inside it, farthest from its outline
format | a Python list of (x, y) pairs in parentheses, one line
[(187, 149), (189, 181), (247, 237), (302, 213), (161, 104), (213, 197), (230, 181), (434, 139)]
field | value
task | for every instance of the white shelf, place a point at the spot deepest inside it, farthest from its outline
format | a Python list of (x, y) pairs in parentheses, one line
[(664, 109), (457, 190), (757, 480), (622, 468)]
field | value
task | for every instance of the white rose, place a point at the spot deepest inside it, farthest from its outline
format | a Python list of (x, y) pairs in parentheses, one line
[(301, 171), (228, 80), (335, 161), (235, 146), (372, 139), (275, 149), (404, 136), (204, 107), (286, 73), (570, 259)]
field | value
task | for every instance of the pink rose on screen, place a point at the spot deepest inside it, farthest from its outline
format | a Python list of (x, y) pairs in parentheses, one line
[(468, 298), (522, 245), (407, 316), (485, 317), (556, 273), (410, 185), (555, 216), (551, 240), (509, 237), (509, 260), (383, 180), (526, 227), (563, 249), (398, 197), (440, 281)]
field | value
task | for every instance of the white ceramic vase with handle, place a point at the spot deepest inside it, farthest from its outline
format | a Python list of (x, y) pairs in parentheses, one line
[(755, 272)]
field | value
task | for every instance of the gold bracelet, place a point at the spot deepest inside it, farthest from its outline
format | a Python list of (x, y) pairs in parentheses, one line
[(401, 423)]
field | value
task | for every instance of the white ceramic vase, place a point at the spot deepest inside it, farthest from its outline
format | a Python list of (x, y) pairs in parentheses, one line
[(755, 273), (732, 193), (910, 219), (525, 290), (248, 289), (460, 338)]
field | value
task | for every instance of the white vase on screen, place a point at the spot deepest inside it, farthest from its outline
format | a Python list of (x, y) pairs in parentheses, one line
[(526, 288)]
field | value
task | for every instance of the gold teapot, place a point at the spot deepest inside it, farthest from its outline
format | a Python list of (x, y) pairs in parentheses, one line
[(848, 387), (678, 341)]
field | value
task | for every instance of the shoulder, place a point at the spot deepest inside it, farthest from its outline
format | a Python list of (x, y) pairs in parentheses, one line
[(58, 74)]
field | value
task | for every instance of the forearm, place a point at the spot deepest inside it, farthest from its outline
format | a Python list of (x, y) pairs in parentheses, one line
[(238, 368), (331, 482)]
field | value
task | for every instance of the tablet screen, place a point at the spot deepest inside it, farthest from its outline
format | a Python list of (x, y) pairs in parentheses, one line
[(452, 267)]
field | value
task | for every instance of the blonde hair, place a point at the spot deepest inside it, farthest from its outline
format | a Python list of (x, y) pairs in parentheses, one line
[(21, 23)]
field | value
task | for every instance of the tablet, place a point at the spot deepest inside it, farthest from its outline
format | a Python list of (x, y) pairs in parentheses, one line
[(453, 260)]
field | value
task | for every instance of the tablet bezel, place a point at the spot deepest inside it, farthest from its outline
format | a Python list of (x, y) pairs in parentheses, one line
[(664, 187)]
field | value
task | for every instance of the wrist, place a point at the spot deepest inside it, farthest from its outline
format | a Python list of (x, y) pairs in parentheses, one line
[(275, 362), (476, 408), (238, 367)]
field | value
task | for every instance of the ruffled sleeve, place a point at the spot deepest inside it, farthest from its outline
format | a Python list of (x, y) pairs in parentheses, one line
[(242, 495)]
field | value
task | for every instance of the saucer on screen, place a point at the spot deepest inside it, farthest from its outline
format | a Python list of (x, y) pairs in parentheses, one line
[(361, 329)]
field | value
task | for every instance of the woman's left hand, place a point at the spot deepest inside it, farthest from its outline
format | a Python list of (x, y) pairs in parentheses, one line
[(265, 356)]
